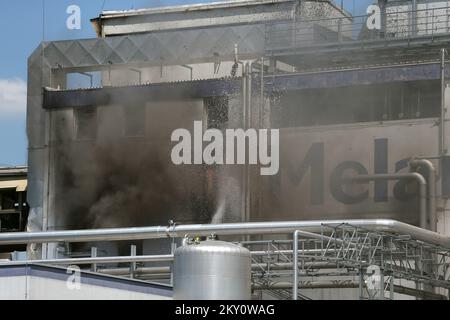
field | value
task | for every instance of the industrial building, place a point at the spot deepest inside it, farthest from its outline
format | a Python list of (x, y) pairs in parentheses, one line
[(13, 205), (358, 209)]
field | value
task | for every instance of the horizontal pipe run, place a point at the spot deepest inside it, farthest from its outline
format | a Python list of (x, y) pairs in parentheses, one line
[(349, 285), (251, 228), (307, 285), (139, 271), (152, 258), (284, 266), (98, 260), (160, 258), (396, 176)]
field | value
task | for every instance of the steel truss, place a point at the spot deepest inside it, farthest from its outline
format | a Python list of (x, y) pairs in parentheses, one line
[(345, 253)]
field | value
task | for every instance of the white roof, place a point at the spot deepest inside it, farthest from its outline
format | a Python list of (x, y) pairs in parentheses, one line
[(190, 7)]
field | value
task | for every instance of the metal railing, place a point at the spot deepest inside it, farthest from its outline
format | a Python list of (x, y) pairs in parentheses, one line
[(343, 252), (394, 24)]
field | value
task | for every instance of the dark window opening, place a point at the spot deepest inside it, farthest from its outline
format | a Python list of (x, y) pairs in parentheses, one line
[(375, 103), (13, 211), (8, 200)]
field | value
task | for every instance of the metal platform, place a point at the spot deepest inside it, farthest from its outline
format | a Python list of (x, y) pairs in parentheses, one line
[(343, 42)]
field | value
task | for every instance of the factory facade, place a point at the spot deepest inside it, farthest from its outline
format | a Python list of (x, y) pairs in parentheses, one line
[(361, 116)]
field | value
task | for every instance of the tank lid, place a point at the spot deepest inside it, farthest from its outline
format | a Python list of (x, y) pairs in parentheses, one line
[(213, 246)]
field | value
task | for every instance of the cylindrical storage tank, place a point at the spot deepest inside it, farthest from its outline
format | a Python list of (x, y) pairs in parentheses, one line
[(212, 270)]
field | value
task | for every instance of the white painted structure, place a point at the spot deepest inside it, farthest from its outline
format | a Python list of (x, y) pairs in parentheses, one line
[(34, 282)]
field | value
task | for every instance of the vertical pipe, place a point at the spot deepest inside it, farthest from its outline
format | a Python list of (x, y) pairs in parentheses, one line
[(249, 95), (361, 280), (244, 121), (294, 25), (173, 248), (442, 147), (133, 264), (391, 287), (382, 285), (432, 211), (20, 208), (382, 3), (432, 187), (295, 257), (94, 255), (398, 176), (248, 124), (414, 17), (47, 170), (418, 113), (423, 205), (262, 102)]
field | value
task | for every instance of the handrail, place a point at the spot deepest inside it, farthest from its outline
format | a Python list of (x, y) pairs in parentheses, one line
[(399, 24)]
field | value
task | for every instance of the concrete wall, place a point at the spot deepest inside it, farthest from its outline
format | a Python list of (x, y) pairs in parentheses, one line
[(307, 194)]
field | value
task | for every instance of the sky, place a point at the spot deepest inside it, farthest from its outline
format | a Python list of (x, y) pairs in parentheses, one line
[(26, 23)]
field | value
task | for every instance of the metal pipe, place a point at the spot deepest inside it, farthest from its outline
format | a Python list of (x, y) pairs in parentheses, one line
[(262, 102), (99, 260), (245, 71), (442, 148), (347, 284), (249, 94), (247, 124), (139, 271), (432, 212), (295, 282), (284, 266), (167, 258), (414, 17), (244, 91), (251, 228), (398, 176), (307, 285), (94, 255), (432, 187), (263, 253)]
